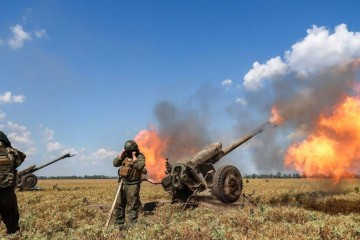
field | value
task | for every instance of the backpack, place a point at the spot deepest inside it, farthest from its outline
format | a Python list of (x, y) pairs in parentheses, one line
[(7, 168)]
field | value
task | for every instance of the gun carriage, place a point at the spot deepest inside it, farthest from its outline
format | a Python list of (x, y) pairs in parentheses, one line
[(196, 176), (26, 178)]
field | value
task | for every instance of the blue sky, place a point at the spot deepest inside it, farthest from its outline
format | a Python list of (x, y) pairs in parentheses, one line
[(85, 76)]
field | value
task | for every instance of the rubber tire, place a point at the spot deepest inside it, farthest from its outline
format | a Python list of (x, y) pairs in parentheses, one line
[(29, 180), (221, 178)]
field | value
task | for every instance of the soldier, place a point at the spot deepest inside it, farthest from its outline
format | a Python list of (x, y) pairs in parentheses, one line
[(132, 163), (10, 159)]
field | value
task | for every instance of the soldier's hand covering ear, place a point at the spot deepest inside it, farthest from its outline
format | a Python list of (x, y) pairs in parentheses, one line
[(134, 157), (121, 154)]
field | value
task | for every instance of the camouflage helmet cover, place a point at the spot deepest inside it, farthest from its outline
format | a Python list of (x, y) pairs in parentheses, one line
[(130, 145), (4, 139)]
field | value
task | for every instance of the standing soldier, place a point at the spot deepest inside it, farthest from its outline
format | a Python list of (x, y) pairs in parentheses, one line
[(131, 163), (10, 159)]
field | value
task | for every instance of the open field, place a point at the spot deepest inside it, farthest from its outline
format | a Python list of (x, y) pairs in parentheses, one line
[(279, 209)]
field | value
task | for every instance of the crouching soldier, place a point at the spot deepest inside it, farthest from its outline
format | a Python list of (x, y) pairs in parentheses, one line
[(10, 159), (131, 163)]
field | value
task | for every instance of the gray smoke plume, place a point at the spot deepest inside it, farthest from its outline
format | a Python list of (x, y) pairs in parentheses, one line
[(300, 104), (315, 75), (183, 129), (310, 80), (186, 129)]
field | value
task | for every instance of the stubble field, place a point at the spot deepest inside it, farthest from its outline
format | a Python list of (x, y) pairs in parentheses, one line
[(270, 209)]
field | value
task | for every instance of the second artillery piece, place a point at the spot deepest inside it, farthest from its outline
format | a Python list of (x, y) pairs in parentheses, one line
[(196, 176), (26, 178)]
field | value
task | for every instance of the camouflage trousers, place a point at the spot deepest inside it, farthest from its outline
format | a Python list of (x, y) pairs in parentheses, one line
[(9, 210), (129, 200)]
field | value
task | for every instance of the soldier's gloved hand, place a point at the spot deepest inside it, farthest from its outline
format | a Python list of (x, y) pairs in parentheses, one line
[(121, 154), (134, 157)]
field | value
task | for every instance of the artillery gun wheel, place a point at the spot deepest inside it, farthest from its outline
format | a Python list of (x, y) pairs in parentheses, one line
[(29, 181), (227, 184)]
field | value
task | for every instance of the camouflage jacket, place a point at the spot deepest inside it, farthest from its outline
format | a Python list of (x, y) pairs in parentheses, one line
[(10, 159), (138, 165)]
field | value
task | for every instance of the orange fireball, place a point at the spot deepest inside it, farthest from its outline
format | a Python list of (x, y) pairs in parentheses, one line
[(333, 149), (276, 118), (153, 147)]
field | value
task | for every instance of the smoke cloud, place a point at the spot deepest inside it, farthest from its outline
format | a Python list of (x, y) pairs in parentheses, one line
[(312, 78), (316, 54), (187, 129)]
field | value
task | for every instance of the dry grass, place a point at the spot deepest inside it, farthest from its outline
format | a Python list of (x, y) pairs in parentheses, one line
[(279, 209)]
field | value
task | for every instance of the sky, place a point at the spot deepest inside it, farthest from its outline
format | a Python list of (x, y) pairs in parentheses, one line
[(85, 76)]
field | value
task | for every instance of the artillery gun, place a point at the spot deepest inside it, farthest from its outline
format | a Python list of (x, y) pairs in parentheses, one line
[(196, 177), (26, 178)]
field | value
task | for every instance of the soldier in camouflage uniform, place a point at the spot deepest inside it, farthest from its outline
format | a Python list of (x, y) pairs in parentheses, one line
[(131, 163), (10, 159)]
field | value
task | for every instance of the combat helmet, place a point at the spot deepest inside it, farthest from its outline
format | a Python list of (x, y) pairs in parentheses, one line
[(4, 139), (131, 146)]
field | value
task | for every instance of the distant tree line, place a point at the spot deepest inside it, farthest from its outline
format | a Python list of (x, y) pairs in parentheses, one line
[(271, 175), (291, 175), (78, 177), (254, 175)]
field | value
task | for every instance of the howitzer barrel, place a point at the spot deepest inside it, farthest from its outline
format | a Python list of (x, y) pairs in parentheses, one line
[(53, 161), (205, 154), (245, 138), (26, 178), (239, 142), (214, 152), (27, 170)]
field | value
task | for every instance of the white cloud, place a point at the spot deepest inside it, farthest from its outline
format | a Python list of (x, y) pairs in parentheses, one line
[(19, 36), (2, 115), (317, 52), (31, 151), (20, 137), (40, 33), (273, 68), (87, 157), (15, 127), (241, 101), (53, 146), (320, 49), (8, 97), (226, 82), (27, 13), (23, 137), (98, 156), (47, 134), (103, 153)]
